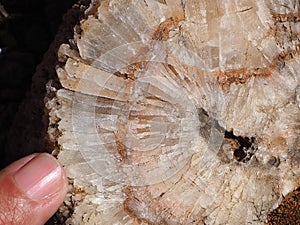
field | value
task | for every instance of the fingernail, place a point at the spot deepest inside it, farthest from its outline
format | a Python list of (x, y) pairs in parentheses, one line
[(40, 177), (21, 162)]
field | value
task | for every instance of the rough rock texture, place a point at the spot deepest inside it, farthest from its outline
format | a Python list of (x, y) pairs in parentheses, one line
[(179, 112)]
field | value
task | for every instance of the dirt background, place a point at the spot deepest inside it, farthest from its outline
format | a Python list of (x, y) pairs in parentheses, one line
[(25, 35), (27, 29)]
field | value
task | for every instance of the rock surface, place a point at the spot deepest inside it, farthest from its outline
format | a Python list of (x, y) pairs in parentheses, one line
[(179, 112)]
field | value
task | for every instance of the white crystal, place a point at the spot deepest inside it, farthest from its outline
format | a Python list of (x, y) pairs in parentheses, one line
[(144, 108)]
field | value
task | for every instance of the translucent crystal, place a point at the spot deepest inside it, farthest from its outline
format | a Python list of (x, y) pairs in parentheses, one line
[(180, 112)]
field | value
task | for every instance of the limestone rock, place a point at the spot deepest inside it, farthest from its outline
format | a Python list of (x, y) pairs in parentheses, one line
[(179, 112)]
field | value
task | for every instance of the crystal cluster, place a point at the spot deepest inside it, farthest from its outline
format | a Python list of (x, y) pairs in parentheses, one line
[(179, 112)]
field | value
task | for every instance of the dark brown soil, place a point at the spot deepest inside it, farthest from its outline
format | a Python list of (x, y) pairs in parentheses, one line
[(25, 35)]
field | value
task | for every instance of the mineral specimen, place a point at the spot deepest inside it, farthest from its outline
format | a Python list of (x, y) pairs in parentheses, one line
[(179, 112)]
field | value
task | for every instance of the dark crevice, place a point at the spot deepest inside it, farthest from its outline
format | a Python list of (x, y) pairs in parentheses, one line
[(239, 154), (245, 149)]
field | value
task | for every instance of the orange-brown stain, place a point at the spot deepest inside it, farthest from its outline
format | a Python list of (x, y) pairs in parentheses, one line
[(164, 28)]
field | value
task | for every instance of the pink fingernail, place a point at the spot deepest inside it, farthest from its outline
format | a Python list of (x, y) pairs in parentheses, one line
[(21, 162), (40, 177)]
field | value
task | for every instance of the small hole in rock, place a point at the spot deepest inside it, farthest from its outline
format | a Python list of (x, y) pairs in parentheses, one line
[(245, 149), (239, 154)]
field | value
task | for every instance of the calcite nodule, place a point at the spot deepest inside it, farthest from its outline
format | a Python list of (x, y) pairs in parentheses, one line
[(180, 112)]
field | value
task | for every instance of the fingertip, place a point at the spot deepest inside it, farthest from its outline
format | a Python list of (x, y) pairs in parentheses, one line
[(40, 177), (38, 182)]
